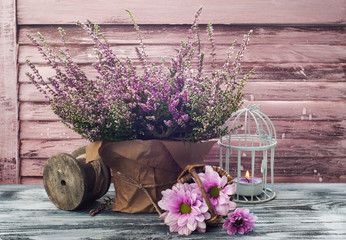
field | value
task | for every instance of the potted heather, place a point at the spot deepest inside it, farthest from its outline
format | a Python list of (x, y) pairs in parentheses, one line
[(146, 123)]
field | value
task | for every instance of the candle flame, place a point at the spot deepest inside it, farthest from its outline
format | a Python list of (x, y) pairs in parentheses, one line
[(247, 174)]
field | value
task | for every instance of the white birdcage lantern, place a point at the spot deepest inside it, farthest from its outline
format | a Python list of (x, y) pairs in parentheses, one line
[(249, 145)]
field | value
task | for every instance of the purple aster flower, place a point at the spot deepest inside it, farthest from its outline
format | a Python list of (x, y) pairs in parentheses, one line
[(240, 221), (185, 211), (218, 191)]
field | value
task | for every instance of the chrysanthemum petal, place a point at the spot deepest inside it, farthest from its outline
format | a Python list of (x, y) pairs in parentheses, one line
[(163, 215), (223, 181), (171, 218), (182, 219), (232, 206), (201, 226), (192, 223), (230, 189)]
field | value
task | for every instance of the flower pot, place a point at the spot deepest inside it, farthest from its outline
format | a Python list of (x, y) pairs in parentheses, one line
[(143, 168)]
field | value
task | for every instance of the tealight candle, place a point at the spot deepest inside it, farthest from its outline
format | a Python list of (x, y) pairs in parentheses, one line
[(245, 186)]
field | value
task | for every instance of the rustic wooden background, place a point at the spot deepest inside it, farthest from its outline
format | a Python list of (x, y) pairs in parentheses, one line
[(298, 50)]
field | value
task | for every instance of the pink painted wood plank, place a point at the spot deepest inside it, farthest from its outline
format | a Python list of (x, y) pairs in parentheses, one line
[(32, 167), (36, 112), (292, 148), (259, 91), (276, 110), (292, 72), (31, 180), (182, 12), (300, 148), (264, 72), (84, 53), (313, 130), (9, 166), (172, 34), (295, 91), (46, 130), (47, 148)]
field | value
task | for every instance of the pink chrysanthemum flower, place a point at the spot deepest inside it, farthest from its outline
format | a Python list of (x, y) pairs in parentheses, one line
[(240, 221), (218, 191), (185, 211)]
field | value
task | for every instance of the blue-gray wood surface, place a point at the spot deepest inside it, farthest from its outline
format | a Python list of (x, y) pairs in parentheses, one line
[(300, 211)]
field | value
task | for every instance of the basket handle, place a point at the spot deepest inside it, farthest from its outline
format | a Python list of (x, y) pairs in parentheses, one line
[(192, 171)]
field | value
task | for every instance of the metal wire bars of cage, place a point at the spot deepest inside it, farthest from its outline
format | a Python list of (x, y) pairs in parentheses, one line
[(252, 132)]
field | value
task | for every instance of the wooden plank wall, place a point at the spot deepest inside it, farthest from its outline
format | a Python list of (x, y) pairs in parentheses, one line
[(298, 50), (9, 165)]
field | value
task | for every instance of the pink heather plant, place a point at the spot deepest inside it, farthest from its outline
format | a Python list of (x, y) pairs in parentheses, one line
[(174, 100), (240, 221), (185, 212), (218, 190)]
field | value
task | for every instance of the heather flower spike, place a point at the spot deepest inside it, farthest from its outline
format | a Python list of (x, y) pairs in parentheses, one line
[(240, 221), (141, 55), (121, 102), (212, 42), (62, 34)]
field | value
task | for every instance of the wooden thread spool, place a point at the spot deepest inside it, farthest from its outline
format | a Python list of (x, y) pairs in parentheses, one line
[(70, 182)]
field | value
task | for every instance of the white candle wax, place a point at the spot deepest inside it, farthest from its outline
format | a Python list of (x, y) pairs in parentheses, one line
[(246, 188)]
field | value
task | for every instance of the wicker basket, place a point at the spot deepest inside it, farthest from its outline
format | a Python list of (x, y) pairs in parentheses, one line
[(191, 171)]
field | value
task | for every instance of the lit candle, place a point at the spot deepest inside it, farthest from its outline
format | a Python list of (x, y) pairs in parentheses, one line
[(245, 186)]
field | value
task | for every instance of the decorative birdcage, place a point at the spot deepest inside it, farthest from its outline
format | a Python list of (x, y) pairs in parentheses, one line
[(251, 142)]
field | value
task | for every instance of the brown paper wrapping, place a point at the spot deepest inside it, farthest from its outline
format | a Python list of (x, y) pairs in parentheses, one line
[(143, 168)]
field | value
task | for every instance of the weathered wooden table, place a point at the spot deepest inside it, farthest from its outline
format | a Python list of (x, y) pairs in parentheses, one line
[(300, 211)]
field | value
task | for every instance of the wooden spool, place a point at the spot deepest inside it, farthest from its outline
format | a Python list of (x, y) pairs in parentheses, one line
[(70, 182)]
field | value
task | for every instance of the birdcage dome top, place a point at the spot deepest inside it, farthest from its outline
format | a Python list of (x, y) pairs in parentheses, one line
[(249, 129)]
